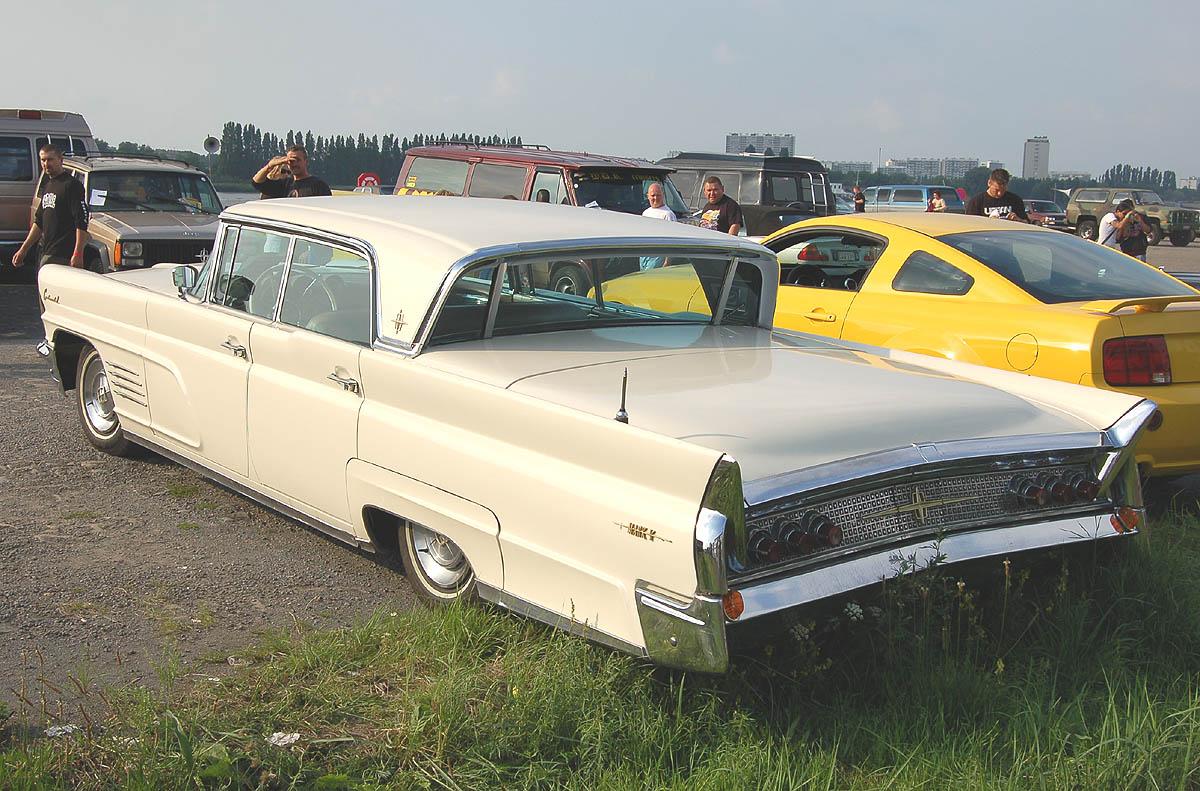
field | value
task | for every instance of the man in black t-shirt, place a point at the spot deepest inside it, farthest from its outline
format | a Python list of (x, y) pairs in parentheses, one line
[(722, 212), (61, 219), (287, 176), (997, 201), (860, 200)]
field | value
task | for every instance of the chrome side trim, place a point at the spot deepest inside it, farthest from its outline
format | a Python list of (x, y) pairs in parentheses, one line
[(45, 350), (684, 634), (253, 494), (850, 574), (720, 535), (931, 457), (1130, 426), (550, 618)]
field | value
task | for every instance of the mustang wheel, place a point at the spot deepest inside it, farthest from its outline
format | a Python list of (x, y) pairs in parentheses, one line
[(436, 568), (97, 411)]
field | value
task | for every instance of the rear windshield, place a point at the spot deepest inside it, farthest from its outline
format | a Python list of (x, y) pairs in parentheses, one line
[(1057, 267), (623, 190), (949, 195)]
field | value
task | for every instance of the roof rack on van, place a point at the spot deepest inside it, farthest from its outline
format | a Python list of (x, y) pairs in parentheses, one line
[(124, 155), (472, 144)]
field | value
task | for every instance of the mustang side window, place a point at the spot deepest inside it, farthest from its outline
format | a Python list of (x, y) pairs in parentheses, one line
[(923, 273), (328, 291), (249, 280), (829, 260)]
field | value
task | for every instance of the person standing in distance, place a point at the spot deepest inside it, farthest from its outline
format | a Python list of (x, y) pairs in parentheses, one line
[(658, 210), (1118, 226), (722, 212), (997, 201), (61, 218), (860, 200), (287, 176)]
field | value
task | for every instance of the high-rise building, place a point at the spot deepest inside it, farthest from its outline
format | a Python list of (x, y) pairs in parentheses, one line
[(1036, 164), (760, 143), (991, 164), (957, 167), (848, 166), (1189, 183)]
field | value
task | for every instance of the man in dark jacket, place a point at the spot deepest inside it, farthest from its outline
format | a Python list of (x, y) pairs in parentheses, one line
[(287, 176), (61, 218), (997, 201)]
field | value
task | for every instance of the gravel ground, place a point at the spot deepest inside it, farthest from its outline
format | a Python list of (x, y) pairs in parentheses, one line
[(109, 565)]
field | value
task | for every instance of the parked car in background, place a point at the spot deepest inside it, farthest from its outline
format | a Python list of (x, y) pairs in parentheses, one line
[(1088, 205), (772, 191), (1009, 296), (656, 478), (145, 210), (911, 197), (1047, 214), (22, 133)]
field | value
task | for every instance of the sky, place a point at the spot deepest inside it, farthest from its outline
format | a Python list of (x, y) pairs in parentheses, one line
[(1106, 82)]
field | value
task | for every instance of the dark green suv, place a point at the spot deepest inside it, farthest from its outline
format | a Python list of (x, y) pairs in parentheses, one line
[(1088, 205)]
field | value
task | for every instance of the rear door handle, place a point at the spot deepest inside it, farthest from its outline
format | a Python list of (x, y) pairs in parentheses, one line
[(238, 351), (820, 315), (346, 382)]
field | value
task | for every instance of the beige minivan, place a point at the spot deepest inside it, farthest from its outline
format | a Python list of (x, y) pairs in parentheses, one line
[(22, 132)]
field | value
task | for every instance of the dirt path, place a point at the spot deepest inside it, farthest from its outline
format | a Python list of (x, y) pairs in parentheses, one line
[(107, 565)]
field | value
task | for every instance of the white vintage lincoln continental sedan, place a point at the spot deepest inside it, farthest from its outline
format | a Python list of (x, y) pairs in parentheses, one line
[(658, 474)]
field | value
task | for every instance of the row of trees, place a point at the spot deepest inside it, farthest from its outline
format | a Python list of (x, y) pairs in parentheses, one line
[(1128, 176)]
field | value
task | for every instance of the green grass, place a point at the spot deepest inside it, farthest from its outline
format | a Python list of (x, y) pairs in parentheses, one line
[(1082, 675), (184, 491)]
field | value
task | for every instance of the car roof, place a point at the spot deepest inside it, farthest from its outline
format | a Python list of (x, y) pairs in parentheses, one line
[(741, 161), (52, 121), (928, 223), (95, 162), (419, 239), (529, 155)]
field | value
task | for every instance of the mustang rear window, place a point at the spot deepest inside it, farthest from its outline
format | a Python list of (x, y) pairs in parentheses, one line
[(1056, 267), (560, 293)]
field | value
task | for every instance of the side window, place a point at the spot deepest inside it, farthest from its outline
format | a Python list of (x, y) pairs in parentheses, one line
[(1120, 196), (923, 273), (827, 260), (685, 181), (885, 194), (228, 242), (552, 182), (783, 189), (1091, 195), (249, 279), (16, 159), (750, 190), (464, 314), (426, 173), (908, 196), (328, 291), (497, 181)]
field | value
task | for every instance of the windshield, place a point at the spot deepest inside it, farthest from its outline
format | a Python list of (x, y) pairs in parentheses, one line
[(151, 190), (1043, 206), (1057, 267), (623, 190), (1146, 197), (656, 287)]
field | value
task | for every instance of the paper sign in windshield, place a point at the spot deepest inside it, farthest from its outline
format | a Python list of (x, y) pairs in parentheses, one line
[(98, 197)]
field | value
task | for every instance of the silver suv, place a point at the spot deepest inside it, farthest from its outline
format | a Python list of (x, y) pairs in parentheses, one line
[(145, 210)]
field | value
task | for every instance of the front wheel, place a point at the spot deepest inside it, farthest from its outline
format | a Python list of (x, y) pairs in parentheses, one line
[(436, 567), (570, 279), (97, 410), (1086, 229), (1182, 238)]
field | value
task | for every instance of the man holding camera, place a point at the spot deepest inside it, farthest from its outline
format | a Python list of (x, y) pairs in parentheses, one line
[(1124, 228), (997, 201), (287, 176)]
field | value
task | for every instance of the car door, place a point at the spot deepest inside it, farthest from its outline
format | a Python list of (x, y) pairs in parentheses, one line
[(198, 358), (820, 273), (304, 391)]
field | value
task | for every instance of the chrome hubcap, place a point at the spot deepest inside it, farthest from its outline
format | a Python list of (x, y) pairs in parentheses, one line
[(565, 285), (97, 398), (440, 558)]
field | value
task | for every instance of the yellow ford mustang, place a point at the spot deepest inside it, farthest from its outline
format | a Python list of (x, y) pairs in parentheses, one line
[(1002, 294)]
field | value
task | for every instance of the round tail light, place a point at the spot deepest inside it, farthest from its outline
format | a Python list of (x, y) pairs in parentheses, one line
[(763, 548)]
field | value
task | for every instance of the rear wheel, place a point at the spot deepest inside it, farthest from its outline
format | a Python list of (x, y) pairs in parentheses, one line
[(1086, 229), (1182, 238), (1156, 235), (97, 410), (569, 279), (436, 567)]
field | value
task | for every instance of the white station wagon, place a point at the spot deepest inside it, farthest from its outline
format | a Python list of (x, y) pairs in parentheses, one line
[(654, 476)]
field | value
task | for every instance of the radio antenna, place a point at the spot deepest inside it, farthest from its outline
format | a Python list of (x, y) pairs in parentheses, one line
[(622, 415)]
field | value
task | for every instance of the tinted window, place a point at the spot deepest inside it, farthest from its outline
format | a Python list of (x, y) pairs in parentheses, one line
[(552, 183), (884, 195), (686, 181), (497, 181), (950, 195), (437, 174), (16, 159), (249, 280), (908, 196), (328, 291), (623, 190), (1092, 195), (464, 313), (1146, 197), (783, 189), (927, 274), (1056, 267)]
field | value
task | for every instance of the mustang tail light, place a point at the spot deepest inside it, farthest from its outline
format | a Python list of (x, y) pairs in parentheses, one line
[(811, 253), (1140, 360)]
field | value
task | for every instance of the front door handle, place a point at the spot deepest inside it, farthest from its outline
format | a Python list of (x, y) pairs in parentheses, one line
[(346, 382), (820, 315), (238, 350)]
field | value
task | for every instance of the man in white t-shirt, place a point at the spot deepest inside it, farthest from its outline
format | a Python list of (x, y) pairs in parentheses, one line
[(1113, 223), (659, 211)]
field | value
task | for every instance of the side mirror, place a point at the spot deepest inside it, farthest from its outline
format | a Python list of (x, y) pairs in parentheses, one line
[(185, 278)]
